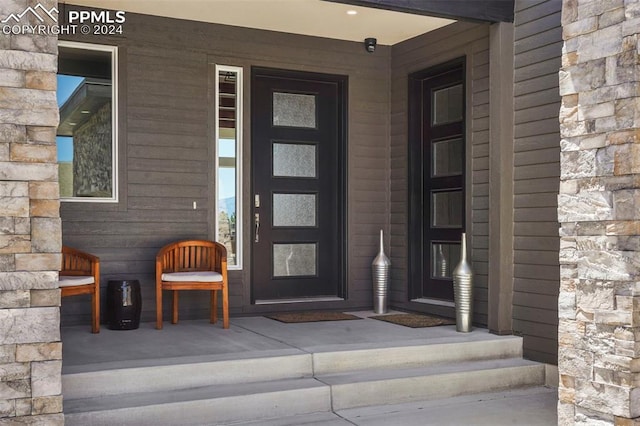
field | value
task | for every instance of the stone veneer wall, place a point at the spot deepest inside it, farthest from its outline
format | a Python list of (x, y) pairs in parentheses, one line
[(92, 161), (30, 232), (599, 211)]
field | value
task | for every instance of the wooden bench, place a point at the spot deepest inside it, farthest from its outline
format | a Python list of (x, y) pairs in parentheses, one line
[(192, 265), (80, 274)]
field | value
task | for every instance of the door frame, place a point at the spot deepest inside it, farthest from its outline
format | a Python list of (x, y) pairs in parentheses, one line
[(341, 82), (416, 207)]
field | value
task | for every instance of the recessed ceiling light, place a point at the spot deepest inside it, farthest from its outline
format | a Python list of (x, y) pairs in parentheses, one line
[(352, 12), (72, 124), (85, 111)]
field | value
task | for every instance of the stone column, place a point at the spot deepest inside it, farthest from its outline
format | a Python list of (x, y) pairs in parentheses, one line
[(599, 303), (30, 231)]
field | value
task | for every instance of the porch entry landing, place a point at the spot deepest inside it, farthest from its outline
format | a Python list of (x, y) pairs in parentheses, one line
[(248, 337), (195, 373)]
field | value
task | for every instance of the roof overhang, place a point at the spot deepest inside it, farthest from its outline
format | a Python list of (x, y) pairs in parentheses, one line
[(84, 103), (468, 10), (389, 21)]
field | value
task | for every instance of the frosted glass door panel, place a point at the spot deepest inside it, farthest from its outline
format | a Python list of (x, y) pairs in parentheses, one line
[(294, 160), (294, 110), (447, 105), (290, 260), (294, 210), (447, 158), (446, 209), (444, 259)]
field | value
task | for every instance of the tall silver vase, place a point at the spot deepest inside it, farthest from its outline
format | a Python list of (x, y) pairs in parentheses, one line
[(463, 290), (380, 271)]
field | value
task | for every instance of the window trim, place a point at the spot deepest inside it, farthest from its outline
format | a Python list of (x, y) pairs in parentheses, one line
[(114, 119), (239, 171)]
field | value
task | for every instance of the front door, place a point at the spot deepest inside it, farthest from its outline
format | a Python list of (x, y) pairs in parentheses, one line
[(437, 160), (298, 144)]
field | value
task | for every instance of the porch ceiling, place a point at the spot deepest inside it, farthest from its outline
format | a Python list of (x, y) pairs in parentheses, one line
[(308, 17)]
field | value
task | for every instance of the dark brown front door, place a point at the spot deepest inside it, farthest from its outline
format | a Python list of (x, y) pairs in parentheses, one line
[(437, 162), (298, 135)]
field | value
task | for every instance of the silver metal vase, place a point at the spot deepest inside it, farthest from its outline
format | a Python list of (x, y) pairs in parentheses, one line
[(380, 271), (463, 290)]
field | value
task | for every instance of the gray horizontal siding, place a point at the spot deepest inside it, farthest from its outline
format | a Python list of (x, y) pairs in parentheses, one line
[(166, 155), (479, 235), (538, 44)]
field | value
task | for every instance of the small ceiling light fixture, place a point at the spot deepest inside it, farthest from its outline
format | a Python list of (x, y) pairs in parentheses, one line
[(370, 44), (352, 12)]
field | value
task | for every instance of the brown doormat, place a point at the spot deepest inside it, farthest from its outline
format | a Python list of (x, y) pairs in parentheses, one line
[(293, 317), (414, 320)]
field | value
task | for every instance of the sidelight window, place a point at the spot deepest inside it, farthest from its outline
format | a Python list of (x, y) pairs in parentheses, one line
[(228, 184)]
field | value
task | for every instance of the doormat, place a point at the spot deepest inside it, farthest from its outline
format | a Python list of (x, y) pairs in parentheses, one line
[(293, 317), (415, 320)]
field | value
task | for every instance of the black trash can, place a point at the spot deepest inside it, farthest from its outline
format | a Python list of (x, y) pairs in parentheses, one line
[(124, 303)]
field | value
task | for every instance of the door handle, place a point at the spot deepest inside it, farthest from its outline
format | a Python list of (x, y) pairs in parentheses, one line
[(257, 225)]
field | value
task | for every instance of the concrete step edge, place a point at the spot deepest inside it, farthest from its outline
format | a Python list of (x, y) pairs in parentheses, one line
[(415, 356), (419, 387), (206, 405), (367, 374), (185, 376)]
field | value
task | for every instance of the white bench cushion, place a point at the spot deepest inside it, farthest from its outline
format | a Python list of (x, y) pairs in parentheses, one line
[(195, 276), (70, 281)]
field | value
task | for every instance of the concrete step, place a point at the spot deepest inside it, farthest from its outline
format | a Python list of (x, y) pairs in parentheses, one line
[(209, 405), (533, 406), (189, 373), (220, 391), (157, 378), (393, 386), (329, 362), (229, 403), (313, 419)]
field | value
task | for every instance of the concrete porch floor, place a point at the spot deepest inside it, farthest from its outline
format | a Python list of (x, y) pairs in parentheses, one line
[(251, 337)]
